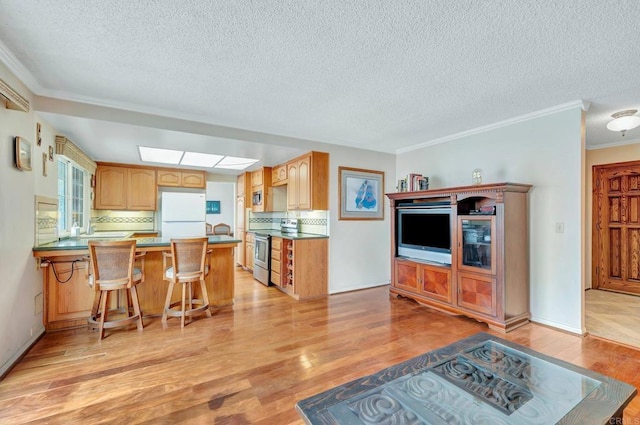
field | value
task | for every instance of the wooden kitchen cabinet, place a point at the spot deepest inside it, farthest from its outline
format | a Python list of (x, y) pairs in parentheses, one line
[(142, 192), (125, 188), (261, 195), (278, 262), (181, 178), (68, 298), (279, 175), (305, 265), (258, 177), (249, 250), (308, 182), (240, 218)]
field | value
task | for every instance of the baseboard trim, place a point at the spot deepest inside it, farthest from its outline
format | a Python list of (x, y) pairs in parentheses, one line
[(558, 326), (358, 288), (15, 359)]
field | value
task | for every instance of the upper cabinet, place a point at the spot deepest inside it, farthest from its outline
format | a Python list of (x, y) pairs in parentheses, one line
[(261, 197), (125, 188), (181, 178), (257, 177), (240, 185), (308, 182), (279, 175)]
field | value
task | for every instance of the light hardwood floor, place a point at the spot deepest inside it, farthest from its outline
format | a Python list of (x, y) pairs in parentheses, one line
[(250, 363), (613, 316)]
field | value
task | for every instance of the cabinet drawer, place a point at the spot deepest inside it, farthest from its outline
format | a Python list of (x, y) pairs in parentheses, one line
[(276, 255), (276, 244), (276, 278), (275, 265), (250, 238)]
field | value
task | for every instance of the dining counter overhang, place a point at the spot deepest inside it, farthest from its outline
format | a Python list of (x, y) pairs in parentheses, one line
[(68, 304)]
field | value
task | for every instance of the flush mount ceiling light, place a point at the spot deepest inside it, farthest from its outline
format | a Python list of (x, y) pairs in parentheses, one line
[(165, 156), (194, 159), (200, 159), (624, 120), (235, 163)]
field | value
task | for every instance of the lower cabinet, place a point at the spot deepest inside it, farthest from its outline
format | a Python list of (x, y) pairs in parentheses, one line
[(276, 262), (477, 292), (304, 267), (422, 279), (68, 296), (249, 245)]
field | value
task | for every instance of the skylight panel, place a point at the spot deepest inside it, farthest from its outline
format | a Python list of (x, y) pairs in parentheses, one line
[(164, 156)]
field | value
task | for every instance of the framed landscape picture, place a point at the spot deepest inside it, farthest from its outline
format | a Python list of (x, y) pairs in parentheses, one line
[(23, 154), (361, 194)]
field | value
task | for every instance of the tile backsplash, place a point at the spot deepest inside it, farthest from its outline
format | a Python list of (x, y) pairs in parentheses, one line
[(105, 220), (316, 222)]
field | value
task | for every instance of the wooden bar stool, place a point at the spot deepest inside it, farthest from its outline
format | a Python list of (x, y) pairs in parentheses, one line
[(112, 270), (188, 265)]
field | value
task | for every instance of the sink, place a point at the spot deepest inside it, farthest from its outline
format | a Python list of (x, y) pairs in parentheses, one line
[(101, 235)]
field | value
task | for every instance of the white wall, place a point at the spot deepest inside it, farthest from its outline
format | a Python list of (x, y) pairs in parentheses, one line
[(226, 194), (20, 325), (359, 251), (548, 153)]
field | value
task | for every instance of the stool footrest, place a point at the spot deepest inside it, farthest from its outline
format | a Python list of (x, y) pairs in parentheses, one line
[(188, 312), (94, 323)]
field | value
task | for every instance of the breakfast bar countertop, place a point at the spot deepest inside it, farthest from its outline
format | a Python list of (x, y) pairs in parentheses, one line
[(73, 244), (293, 236)]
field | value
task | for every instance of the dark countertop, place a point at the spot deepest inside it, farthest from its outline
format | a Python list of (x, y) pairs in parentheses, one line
[(279, 234), (82, 243)]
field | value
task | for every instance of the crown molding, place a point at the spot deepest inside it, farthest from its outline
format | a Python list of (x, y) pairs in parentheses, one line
[(521, 118), (613, 145), (18, 69)]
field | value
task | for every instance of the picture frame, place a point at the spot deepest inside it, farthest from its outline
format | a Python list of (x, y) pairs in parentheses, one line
[(38, 134), (213, 207), (50, 153), (360, 193), (22, 154)]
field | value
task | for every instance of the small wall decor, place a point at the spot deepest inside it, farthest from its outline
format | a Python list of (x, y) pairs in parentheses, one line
[(476, 176), (213, 207), (360, 194), (38, 136), (50, 153), (44, 164), (23, 154)]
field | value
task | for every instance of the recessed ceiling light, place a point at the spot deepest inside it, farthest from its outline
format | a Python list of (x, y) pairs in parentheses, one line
[(200, 159), (235, 163), (165, 156)]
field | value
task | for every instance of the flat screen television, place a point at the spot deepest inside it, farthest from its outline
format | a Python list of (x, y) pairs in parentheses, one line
[(425, 233)]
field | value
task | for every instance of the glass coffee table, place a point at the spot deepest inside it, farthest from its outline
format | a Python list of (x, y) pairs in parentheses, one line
[(478, 380)]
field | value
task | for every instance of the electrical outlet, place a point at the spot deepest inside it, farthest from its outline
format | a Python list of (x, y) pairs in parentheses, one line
[(559, 227), (38, 303)]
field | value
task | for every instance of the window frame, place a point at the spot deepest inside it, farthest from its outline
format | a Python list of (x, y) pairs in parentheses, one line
[(65, 229)]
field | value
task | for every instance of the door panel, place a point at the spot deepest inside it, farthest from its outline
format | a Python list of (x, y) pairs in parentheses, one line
[(616, 238)]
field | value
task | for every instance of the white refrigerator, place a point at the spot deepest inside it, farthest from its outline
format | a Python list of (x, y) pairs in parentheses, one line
[(183, 215)]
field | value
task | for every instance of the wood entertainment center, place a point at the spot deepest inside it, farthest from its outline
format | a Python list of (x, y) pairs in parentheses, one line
[(488, 278)]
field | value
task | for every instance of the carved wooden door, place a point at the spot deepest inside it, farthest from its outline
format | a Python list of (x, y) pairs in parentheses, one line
[(616, 227)]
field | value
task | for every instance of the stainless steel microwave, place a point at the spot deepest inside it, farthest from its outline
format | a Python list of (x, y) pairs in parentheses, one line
[(256, 199)]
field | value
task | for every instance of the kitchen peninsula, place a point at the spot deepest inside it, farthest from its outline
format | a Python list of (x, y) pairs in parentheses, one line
[(68, 297)]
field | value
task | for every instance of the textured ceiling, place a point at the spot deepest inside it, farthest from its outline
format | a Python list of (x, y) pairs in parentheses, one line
[(368, 74)]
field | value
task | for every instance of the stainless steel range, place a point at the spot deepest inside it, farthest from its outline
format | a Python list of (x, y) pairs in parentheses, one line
[(262, 258), (289, 226)]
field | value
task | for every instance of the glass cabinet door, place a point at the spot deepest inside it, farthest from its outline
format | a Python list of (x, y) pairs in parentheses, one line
[(476, 242)]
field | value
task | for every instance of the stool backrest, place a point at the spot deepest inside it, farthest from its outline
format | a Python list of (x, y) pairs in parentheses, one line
[(112, 262), (189, 255), (222, 229)]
